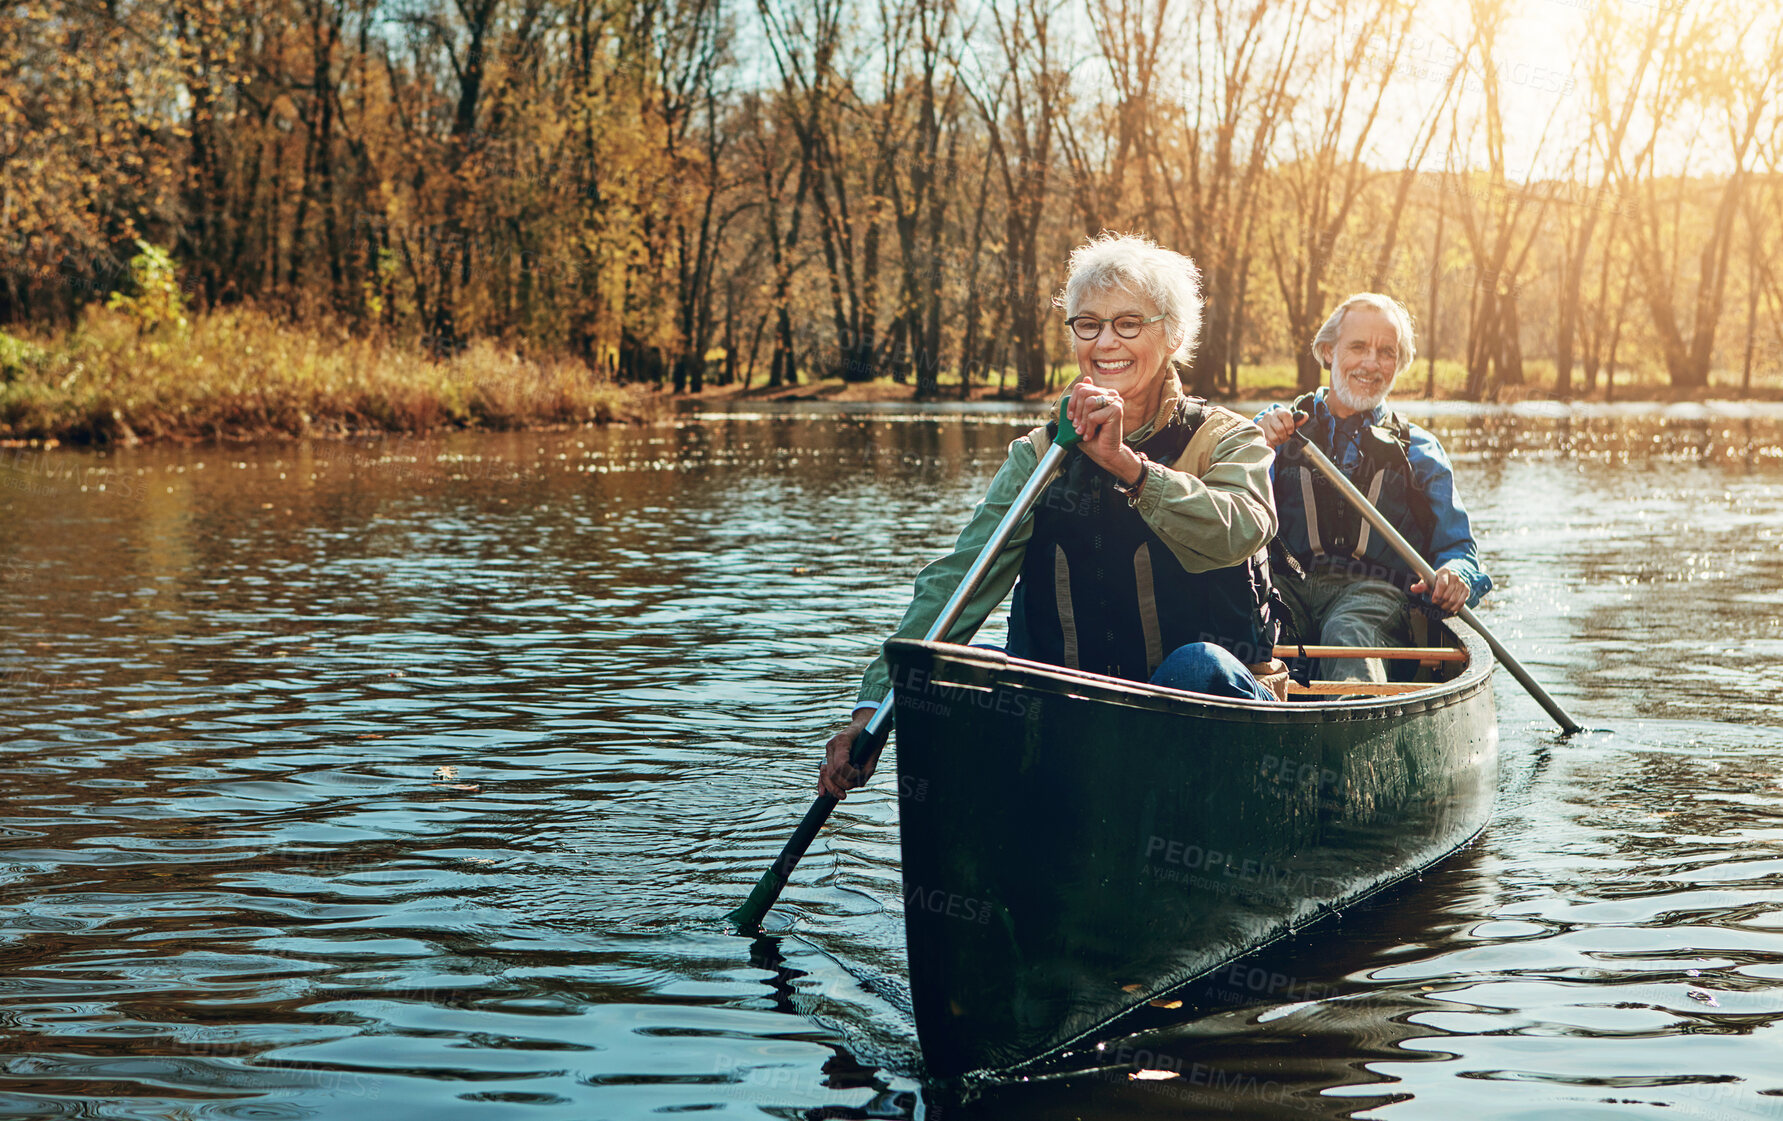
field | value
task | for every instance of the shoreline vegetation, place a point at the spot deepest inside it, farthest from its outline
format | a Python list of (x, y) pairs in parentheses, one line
[(243, 375), (816, 189)]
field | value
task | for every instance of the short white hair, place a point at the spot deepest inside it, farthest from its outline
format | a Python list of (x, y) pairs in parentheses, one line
[(1141, 267), (1396, 314)]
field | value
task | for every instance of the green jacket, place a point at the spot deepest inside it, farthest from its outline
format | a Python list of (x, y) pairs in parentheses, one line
[(1221, 518)]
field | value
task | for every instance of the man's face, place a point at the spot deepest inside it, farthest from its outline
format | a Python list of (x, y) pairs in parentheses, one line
[(1364, 360)]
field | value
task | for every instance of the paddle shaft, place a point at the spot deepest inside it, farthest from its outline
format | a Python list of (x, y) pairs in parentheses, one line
[(1422, 567), (871, 739)]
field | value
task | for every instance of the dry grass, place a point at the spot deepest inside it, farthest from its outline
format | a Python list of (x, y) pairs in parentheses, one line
[(242, 374)]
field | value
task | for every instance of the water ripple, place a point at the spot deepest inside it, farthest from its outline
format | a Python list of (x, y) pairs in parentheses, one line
[(417, 775)]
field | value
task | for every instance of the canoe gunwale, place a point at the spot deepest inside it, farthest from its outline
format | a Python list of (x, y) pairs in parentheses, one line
[(1045, 678)]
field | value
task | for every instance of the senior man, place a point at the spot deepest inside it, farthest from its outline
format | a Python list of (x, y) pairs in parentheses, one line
[(1353, 590)]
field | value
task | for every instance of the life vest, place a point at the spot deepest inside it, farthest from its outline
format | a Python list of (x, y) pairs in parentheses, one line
[(1099, 591), (1320, 529)]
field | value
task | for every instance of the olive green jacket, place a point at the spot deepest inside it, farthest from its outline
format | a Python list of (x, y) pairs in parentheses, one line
[(1213, 508)]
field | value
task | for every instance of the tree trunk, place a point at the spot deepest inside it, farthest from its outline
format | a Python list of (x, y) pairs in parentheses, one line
[(1752, 248), (1568, 310), (754, 346), (1510, 362), (1430, 333), (1031, 374)]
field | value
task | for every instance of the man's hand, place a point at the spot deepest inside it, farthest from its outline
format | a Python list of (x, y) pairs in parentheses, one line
[(1279, 424), (834, 775), (1450, 593)]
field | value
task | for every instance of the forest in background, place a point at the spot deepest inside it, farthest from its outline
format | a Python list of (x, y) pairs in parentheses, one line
[(693, 193)]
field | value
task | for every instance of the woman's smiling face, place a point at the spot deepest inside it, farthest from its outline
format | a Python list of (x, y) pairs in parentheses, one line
[(1133, 368)]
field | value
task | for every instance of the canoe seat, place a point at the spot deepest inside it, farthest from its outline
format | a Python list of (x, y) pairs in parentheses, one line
[(1355, 688), (1391, 653)]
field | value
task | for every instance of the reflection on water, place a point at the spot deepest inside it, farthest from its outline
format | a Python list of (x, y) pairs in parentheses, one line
[(416, 776)]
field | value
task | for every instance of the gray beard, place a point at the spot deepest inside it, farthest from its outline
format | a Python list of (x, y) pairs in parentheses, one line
[(1359, 404)]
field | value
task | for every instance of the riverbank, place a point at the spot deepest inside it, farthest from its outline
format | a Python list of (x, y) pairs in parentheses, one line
[(1276, 382), (243, 375)]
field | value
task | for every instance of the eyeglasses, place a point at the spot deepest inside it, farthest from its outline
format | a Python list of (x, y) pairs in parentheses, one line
[(1089, 328)]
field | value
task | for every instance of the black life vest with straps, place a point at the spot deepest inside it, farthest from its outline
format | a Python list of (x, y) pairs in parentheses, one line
[(1320, 528), (1099, 591)]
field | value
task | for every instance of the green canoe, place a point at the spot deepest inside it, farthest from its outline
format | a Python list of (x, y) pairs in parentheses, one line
[(1075, 845)]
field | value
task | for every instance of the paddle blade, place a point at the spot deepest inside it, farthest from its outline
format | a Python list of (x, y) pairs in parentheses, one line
[(866, 747), (767, 889), (747, 917)]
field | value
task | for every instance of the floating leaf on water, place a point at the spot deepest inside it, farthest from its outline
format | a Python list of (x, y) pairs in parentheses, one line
[(445, 772), (1166, 1004), (1129, 988), (1151, 1075)]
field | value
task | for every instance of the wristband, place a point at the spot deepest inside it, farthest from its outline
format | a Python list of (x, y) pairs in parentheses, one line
[(1132, 491)]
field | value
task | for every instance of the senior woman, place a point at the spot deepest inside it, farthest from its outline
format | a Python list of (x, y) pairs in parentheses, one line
[(1144, 558)]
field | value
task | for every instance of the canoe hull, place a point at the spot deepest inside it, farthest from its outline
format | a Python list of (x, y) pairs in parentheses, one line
[(1075, 845)]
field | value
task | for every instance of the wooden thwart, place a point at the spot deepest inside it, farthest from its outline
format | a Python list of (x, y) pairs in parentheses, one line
[(1395, 653), (1370, 688)]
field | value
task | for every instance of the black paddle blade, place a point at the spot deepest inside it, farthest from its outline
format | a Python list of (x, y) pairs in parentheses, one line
[(747, 918)]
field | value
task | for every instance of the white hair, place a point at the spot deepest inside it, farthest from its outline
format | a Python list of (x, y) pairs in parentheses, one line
[(1396, 313), (1140, 267)]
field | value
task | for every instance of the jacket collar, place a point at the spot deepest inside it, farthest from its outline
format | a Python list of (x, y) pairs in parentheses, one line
[(1166, 407)]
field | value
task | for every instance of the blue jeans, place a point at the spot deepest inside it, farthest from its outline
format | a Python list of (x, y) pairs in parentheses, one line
[(1202, 667)]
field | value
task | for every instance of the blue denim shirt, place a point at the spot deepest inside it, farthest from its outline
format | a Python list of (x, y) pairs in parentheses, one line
[(1451, 538)]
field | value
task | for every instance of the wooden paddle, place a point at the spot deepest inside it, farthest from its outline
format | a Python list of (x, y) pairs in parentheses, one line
[(871, 739), (1428, 575)]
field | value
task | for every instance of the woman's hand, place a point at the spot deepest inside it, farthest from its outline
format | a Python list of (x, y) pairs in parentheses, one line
[(835, 776), (1099, 415)]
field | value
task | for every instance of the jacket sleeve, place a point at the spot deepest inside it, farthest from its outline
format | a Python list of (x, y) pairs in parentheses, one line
[(1451, 534), (936, 583), (1222, 517)]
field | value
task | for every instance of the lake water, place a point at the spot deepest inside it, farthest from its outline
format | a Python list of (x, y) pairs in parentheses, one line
[(412, 778)]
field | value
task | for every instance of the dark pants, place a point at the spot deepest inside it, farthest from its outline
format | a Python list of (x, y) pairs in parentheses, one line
[(1338, 609)]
